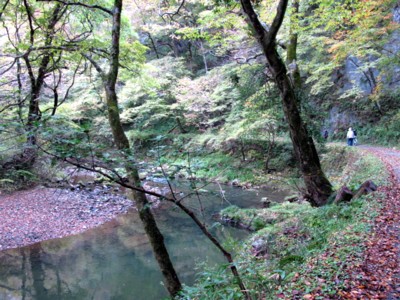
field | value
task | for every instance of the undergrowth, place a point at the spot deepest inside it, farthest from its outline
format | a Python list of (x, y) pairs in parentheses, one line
[(221, 167), (204, 158), (12, 180), (299, 249)]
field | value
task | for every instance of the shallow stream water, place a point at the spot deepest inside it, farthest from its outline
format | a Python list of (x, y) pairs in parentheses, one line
[(115, 261)]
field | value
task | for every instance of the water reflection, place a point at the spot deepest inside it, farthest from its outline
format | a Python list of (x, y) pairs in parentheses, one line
[(115, 260)]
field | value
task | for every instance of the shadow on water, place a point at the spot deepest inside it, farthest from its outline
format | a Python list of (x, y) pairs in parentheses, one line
[(114, 261)]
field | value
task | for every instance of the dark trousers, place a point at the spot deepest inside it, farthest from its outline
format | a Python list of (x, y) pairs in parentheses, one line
[(350, 142)]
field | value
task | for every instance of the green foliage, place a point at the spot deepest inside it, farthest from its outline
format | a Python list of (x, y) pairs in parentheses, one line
[(345, 166), (231, 118), (291, 245), (148, 100), (385, 132), (216, 285), (303, 247), (12, 179)]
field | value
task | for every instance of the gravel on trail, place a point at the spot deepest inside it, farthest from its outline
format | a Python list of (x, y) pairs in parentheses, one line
[(40, 213)]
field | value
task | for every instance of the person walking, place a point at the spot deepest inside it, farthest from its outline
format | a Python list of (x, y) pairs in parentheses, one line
[(326, 134), (350, 137)]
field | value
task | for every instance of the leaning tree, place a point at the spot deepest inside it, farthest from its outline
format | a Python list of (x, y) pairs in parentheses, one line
[(318, 187)]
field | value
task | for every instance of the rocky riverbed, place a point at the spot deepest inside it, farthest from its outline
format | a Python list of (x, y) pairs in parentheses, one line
[(41, 213)]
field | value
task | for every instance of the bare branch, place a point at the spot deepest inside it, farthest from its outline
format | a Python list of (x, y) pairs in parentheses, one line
[(244, 60), (56, 105), (67, 3), (172, 14), (4, 8), (119, 180), (266, 35), (29, 13), (277, 22), (18, 103), (94, 64), (9, 68)]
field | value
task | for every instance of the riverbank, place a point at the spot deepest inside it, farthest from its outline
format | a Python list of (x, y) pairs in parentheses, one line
[(297, 251), (300, 252), (62, 208), (40, 213)]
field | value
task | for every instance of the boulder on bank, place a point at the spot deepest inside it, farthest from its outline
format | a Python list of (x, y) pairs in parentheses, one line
[(259, 247), (265, 202)]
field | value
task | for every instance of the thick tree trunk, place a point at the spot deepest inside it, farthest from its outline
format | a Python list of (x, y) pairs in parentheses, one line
[(317, 185), (156, 238), (34, 112)]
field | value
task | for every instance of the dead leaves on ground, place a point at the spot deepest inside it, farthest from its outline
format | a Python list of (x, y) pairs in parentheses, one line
[(376, 275)]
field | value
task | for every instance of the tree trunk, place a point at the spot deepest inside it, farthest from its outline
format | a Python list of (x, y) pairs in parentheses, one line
[(318, 188), (291, 54), (30, 150), (203, 54), (156, 238)]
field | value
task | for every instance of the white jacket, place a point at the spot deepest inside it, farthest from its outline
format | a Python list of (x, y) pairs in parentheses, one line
[(350, 134)]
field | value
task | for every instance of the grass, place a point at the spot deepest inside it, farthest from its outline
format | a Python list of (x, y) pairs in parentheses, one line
[(350, 166), (218, 166), (210, 156), (305, 249)]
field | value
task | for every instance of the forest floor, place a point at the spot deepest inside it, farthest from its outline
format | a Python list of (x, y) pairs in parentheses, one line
[(378, 275)]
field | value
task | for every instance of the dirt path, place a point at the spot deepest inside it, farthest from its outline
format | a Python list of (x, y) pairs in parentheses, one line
[(391, 157), (378, 276)]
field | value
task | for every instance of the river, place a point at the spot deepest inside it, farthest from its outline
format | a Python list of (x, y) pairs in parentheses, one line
[(115, 261)]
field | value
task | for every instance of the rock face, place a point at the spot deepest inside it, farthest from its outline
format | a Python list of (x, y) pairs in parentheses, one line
[(396, 13), (361, 76), (357, 74), (339, 120), (392, 48)]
